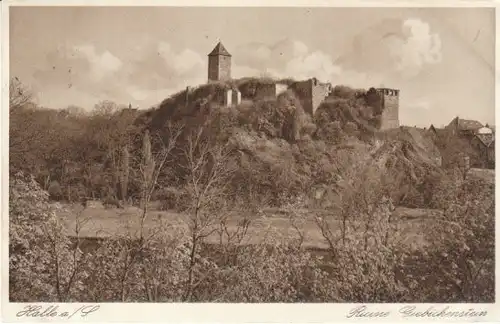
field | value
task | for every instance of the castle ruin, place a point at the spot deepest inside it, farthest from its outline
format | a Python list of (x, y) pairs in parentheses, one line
[(385, 101), (231, 97), (311, 92), (270, 90), (219, 64), (390, 111)]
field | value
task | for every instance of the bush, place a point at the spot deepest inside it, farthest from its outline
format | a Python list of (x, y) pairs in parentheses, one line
[(55, 191), (42, 264)]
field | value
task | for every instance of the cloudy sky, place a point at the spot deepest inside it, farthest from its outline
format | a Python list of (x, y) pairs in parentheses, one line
[(441, 59)]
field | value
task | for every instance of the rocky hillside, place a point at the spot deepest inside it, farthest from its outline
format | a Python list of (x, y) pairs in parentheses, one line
[(282, 151)]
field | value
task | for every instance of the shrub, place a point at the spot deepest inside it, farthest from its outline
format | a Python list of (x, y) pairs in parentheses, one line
[(462, 252), (55, 191), (43, 265)]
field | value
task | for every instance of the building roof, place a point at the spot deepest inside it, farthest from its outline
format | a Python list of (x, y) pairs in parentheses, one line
[(467, 124), (486, 139), (485, 130), (219, 49), (438, 131)]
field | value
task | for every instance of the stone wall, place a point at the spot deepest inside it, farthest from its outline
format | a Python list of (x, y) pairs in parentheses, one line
[(219, 68), (236, 97), (230, 97), (319, 93), (269, 90), (265, 91), (303, 90), (213, 68), (390, 112), (280, 88), (311, 94), (224, 68)]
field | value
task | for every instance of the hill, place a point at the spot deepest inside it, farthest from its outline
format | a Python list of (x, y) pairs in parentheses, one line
[(282, 151)]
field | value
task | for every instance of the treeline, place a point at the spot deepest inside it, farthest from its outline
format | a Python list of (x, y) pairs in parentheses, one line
[(72, 154), (220, 162), (368, 259), (280, 151)]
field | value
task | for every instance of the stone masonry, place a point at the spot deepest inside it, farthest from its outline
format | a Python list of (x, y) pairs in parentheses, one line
[(269, 90), (219, 64), (311, 93), (390, 104), (231, 97)]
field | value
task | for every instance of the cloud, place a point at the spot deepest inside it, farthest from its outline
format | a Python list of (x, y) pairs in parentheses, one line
[(158, 67), (181, 63), (395, 48), (290, 58), (388, 53), (153, 70), (101, 64), (417, 48), (150, 70)]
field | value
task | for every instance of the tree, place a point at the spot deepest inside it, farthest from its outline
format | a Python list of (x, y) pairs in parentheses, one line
[(461, 252), (362, 238), (152, 165), (43, 262), (209, 169), (19, 94), (125, 172), (105, 108)]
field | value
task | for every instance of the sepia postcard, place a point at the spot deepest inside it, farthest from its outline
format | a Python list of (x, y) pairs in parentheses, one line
[(222, 161)]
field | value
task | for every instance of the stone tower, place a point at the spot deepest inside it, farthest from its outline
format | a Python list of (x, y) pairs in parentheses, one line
[(219, 64), (390, 103)]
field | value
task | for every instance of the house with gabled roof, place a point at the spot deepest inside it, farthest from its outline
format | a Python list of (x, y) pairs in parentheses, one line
[(465, 136), (459, 126), (484, 143)]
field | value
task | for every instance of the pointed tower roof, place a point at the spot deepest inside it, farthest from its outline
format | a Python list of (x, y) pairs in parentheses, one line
[(219, 49)]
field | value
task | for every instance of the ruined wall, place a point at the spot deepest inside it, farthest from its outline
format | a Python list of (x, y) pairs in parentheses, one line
[(280, 88), (213, 68), (224, 68), (319, 93), (390, 112), (264, 91), (219, 68), (269, 90), (227, 97), (303, 90), (236, 97), (311, 94)]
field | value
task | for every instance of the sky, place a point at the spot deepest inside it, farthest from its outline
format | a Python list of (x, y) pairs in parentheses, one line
[(441, 59)]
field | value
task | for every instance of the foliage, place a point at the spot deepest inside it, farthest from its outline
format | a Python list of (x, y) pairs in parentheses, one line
[(462, 252), (220, 169), (43, 263)]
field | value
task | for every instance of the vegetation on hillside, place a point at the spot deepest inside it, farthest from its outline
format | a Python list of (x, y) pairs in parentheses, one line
[(210, 162)]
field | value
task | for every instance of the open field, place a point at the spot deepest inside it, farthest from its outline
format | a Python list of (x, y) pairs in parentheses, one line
[(273, 225)]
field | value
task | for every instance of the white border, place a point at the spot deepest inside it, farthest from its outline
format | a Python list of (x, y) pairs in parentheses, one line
[(217, 313)]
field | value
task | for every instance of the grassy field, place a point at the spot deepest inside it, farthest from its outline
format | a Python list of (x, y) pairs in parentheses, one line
[(272, 226)]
